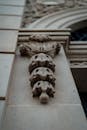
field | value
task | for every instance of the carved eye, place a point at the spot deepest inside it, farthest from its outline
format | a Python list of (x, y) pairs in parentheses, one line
[(39, 91), (38, 83), (37, 70), (48, 70), (36, 57)]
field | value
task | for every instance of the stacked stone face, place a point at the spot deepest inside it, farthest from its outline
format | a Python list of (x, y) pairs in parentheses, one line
[(42, 49), (42, 78)]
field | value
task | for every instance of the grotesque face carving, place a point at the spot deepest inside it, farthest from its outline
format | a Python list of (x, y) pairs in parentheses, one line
[(41, 60), (43, 90), (42, 77), (42, 73)]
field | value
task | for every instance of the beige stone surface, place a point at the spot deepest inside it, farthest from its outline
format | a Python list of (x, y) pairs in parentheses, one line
[(62, 117), (11, 10), (10, 22), (12, 2), (8, 40), (20, 90), (2, 112), (6, 62)]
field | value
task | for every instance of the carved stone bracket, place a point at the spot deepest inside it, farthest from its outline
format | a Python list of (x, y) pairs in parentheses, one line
[(41, 49), (40, 44)]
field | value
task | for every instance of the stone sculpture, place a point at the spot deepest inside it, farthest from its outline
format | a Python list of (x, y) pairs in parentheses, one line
[(41, 49)]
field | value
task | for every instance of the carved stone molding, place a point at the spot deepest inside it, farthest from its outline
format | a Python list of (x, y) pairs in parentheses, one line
[(78, 64), (40, 38)]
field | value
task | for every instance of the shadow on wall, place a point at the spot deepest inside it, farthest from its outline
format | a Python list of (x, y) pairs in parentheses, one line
[(80, 77)]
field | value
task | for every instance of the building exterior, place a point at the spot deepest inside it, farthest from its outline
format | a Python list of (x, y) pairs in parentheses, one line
[(40, 41)]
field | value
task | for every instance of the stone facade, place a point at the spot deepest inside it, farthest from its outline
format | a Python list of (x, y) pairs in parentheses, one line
[(18, 110)]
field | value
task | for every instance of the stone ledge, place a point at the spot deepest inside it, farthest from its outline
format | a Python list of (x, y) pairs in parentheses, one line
[(62, 117)]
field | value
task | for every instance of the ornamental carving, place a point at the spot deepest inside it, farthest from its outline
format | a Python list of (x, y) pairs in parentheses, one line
[(41, 60), (40, 44), (35, 10), (43, 90), (42, 73), (41, 49)]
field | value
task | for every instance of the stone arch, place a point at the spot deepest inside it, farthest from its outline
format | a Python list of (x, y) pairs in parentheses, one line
[(61, 20)]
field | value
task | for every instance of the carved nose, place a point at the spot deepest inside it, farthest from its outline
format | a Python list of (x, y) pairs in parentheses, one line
[(44, 98)]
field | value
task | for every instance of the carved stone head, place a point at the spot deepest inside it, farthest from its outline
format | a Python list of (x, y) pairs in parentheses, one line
[(43, 90)]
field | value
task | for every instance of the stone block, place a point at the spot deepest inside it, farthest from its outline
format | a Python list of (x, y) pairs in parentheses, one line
[(10, 22), (62, 117), (8, 40), (6, 62), (12, 2), (11, 10)]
